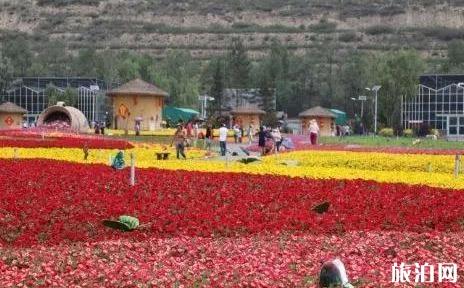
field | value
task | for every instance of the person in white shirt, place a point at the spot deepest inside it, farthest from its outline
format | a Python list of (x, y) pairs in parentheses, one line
[(223, 139), (277, 137), (313, 131), (195, 134)]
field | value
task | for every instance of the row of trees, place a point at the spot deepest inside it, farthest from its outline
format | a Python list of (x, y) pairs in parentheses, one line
[(324, 75)]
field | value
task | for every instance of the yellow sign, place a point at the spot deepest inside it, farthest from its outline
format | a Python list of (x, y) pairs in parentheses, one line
[(123, 111)]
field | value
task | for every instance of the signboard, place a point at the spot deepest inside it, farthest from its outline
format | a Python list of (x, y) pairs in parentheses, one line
[(9, 121), (362, 98)]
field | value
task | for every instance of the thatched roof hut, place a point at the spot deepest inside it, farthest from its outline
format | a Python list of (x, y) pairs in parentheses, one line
[(138, 87), (317, 111), (324, 117), (9, 107), (137, 100), (11, 116)]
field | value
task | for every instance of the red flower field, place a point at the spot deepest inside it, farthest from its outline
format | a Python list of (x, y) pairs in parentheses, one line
[(35, 138), (214, 229), (49, 202)]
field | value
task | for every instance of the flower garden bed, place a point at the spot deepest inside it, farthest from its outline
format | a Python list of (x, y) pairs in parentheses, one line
[(67, 202), (38, 138), (214, 229)]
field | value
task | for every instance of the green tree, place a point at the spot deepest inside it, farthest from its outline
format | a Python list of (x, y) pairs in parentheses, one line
[(6, 71), (398, 74), (20, 55), (455, 55), (239, 65), (85, 63), (217, 87), (55, 95)]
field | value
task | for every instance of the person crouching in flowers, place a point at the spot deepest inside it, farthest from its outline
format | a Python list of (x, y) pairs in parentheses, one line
[(333, 274), (179, 139), (118, 161), (313, 131)]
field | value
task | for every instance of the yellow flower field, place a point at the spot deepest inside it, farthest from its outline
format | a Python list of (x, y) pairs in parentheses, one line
[(431, 170)]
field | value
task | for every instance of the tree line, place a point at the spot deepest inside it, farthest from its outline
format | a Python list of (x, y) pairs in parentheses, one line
[(325, 75)]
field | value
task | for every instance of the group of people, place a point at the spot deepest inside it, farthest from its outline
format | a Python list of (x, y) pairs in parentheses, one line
[(99, 128), (269, 139), (239, 133)]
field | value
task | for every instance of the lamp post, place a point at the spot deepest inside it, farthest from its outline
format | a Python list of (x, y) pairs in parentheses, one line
[(204, 100), (375, 89), (362, 99)]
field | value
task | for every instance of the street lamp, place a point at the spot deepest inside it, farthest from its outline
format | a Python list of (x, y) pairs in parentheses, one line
[(204, 99), (362, 99), (376, 89)]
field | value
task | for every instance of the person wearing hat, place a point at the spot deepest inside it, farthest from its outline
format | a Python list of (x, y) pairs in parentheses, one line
[(313, 131), (179, 139)]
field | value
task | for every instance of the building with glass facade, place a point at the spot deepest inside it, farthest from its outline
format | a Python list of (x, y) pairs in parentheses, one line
[(439, 103)]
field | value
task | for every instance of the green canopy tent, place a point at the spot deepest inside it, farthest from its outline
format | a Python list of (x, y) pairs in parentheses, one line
[(341, 116), (174, 115)]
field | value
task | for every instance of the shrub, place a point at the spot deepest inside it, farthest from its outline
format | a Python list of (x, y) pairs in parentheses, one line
[(408, 133), (349, 36), (59, 3), (379, 29), (386, 132), (435, 132), (324, 26)]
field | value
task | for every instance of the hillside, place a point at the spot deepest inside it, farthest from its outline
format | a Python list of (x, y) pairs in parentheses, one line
[(206, 27)]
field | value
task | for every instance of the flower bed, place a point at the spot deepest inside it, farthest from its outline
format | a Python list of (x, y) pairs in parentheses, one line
[(49, 202), (38, 138), (431, 170), (275, 260)]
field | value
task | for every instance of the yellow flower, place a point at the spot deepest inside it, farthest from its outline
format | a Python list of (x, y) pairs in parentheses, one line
[(431, 170)]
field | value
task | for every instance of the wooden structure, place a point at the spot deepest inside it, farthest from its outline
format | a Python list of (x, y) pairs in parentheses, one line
[(139, 101), (11, 116), (246, 115), (325, 119)]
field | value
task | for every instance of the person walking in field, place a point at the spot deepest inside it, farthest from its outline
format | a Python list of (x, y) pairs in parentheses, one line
[(179, 140), (208, 138), (223, 139), (313, 131), (250, 132), (262, 140)]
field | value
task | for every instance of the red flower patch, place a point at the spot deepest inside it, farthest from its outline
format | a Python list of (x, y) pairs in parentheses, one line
[(50, 202)]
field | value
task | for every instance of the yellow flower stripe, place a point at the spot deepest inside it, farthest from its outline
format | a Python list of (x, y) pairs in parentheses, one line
[(380, 167), (373, 161)]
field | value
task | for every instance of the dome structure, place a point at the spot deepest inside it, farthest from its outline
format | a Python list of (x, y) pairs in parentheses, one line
[(70, 115)]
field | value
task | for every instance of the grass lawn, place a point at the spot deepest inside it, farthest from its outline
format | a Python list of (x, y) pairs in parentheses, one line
[(393, 142)]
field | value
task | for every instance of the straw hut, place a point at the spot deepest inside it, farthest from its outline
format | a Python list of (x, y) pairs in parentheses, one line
[(137, 100), (246, 115), (325, 119), (11, 116)]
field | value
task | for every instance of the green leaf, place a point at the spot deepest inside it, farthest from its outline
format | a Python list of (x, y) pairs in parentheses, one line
[(116, 225), (130, 221)]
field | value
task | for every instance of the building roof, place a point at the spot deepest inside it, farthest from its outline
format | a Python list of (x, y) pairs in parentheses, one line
[(249, 109), (317, 111), (138, 87), (9, 107)]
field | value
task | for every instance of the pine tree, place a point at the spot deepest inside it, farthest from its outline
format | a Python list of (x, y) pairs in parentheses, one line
[(239, 65), (217, 87)]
